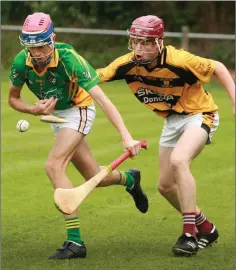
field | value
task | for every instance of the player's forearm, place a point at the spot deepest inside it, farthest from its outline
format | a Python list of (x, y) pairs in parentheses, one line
[(226, 80), (18, 104)]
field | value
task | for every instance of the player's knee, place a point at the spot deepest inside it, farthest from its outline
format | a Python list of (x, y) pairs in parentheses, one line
[(178, 163), (165, 189), (53, 167)]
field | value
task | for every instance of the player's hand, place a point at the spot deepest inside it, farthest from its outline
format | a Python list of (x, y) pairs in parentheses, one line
[(133, 146), (44, 106)]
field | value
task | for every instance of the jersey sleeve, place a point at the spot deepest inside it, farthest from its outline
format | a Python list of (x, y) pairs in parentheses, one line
[(80, 71), (117, 69), (17, 72), (106, 74), (202, 68)]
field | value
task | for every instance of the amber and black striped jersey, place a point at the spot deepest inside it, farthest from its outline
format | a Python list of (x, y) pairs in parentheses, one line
[(173, 86)]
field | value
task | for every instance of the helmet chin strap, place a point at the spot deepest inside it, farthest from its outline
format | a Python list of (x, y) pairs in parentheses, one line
[(160, 48), (40, 64), (143, 62), (44, 63)]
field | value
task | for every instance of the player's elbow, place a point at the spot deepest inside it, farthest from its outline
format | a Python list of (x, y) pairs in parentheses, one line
[(11, 101), (219, 67)]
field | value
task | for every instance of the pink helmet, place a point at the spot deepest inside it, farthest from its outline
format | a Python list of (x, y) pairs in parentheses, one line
[(147, 26), (37, 30)]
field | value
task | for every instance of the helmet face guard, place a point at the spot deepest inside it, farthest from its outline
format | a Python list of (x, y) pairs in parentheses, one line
[(151, 47), (38, 31), (147, 30)]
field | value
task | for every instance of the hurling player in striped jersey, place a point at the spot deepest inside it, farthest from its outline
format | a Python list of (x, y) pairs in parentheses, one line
[(169, 82)]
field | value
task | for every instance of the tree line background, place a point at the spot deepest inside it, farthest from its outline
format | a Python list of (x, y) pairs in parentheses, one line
[(99, 50)]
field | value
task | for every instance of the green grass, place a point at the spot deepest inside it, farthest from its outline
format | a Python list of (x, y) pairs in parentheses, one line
[(117, 236)]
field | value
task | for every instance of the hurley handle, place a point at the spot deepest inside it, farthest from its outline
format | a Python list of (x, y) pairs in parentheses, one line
[(126, 155)]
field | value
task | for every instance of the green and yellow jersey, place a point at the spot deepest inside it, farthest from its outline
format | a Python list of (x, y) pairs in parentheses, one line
[(67, 77), (173, 86)]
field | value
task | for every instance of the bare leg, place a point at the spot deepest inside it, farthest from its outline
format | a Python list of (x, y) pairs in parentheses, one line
[(59, 157), (167, 185), (88, 167), (189, 146), (85, 163)]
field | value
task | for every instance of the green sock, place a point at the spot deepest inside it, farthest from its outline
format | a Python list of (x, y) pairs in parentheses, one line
[(73, 230), (126, 179)]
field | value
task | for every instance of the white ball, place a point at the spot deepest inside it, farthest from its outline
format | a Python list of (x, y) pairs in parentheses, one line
[(22, 125)]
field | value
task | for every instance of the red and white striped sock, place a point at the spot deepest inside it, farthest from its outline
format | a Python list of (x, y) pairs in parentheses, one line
[(202, 223), (189, 223)]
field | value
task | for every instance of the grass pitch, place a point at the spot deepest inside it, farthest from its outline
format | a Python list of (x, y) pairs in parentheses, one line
[(117, 236)]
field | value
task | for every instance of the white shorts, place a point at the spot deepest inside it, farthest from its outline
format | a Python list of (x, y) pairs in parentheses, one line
[(79, 119), (175, 125)]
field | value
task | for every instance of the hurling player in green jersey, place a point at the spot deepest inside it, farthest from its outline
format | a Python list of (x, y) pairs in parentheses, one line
[(168, 81), (66, 85)]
